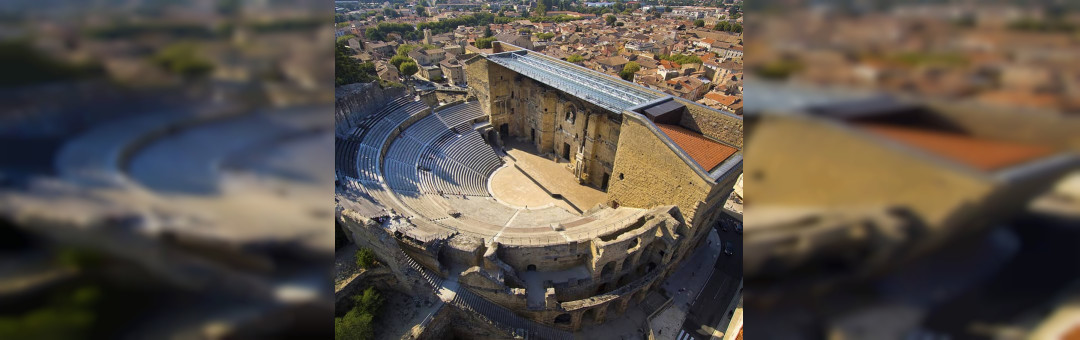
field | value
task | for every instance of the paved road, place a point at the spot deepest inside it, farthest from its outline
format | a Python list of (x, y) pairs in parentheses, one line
[(710, 305)]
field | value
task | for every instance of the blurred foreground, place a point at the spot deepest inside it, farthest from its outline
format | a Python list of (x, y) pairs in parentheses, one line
[(912, 170), (165, 169)]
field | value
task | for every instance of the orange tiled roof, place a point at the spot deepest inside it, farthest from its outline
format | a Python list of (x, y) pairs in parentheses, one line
[(983, 154), (721, 98), (704, 151)]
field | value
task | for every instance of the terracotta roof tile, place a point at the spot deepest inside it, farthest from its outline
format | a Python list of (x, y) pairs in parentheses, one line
[(706, 152), (979, 153), (721, 98)]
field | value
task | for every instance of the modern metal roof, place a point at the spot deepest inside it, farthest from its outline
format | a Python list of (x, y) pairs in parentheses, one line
[(594, 87)]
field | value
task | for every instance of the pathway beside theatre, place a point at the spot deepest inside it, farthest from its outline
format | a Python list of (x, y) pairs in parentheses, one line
[(684, 286)]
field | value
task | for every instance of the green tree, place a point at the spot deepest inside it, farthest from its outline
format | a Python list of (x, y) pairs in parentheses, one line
[(421, 11), (408, 68), (575, 58), (22, 64), (369, 301), (620, 24), (183, 59), (541, 8), (398, 59), (629, 70), (484, 42), (354, 325), (610, 20), (682, 58), (348, 70), (487, 32), (373, 33), (699, 23), (345, 38), (404, 50), (365, 258)]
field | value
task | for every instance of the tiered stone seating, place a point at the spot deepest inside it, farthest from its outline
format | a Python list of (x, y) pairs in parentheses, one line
[(367, 163), (367, 123), (372, 190), (452, 163), (461, 113), (471, 151), (402, 176), (345, 156), (405, 150), (380, 131), (423, 205), (427, 129)]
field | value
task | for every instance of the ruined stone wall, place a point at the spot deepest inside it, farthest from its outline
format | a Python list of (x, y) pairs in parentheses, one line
[(450, 96), (649, 173), (476, 74), (724, 127), (429, 98), (483, 284), (354, 102), (367, 233), (464, 250), (380, 277), (650, 239), (636, 257), (547, 258), (467, 326)]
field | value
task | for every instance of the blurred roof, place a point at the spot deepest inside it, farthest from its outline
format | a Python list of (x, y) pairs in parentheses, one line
[(778, 97), (983, 154)]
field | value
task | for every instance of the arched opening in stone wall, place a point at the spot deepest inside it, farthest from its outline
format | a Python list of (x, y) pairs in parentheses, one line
[(531, 268), (601, 289), (563, 318), (655, 251), (504, 131), (589, 317), (626, 265), (639, 295), (608, 270), (624, 279)]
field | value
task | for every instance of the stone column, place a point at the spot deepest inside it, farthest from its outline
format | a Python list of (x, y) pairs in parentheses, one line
[(601, 312), (623, 303), (575, 319)]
